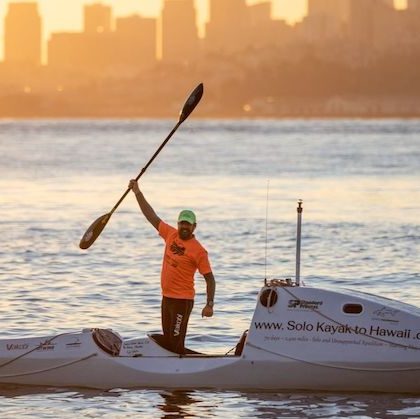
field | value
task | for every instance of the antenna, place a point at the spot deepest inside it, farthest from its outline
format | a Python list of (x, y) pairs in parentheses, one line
[(298, 237), (266, 233)]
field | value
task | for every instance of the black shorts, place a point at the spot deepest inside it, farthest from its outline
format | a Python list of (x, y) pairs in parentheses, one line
[(175, 315)]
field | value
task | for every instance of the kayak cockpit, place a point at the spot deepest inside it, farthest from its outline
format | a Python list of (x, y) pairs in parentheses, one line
[(153, 345)]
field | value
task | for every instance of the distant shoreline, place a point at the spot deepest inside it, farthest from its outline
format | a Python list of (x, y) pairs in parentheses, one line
[(208, 118)]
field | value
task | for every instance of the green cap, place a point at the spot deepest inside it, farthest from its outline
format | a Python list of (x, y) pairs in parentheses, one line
[(188, 216)]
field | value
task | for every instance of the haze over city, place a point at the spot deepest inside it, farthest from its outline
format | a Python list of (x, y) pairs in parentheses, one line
[(67, 15), (300, 162), (274, 58)]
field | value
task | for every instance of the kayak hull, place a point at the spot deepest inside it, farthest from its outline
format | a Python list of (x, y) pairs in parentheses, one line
[(302, 339)]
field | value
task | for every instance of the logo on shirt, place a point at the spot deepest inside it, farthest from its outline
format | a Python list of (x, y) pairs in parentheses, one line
[(176, 249)]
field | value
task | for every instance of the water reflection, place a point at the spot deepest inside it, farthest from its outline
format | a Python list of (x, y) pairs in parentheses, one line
[(55, 402), (177, 403), (16, 391), (360, 230)]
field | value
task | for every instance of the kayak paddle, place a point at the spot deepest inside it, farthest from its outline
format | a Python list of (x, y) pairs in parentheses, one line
[(95, 229)]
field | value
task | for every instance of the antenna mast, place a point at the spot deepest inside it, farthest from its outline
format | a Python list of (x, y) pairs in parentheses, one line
[(266, 233), (298, 241)]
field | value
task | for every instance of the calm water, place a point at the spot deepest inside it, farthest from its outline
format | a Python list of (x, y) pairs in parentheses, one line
[(359, 181)]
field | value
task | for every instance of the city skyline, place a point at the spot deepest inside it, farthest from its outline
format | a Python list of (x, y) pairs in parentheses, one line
[(68, 16), (328, 62), (280, 9)]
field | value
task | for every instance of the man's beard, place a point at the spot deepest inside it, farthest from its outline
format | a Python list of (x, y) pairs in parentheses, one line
[(184, 233)]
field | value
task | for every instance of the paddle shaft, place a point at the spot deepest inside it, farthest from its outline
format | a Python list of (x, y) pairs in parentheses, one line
[(147, 165)]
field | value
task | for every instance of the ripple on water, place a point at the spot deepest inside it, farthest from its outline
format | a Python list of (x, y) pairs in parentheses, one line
[(359, 231)]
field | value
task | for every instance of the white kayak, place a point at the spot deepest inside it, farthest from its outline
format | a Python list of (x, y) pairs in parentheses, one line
[(300, 338)]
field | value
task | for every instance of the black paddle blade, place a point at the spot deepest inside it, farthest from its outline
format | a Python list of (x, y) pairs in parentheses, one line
[(94, 231), (191, 102)]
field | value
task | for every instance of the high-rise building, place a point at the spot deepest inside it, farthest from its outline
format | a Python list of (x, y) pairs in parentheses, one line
[(389, 3), (339, 9), (125, 51), (413, 5), (387, 26), (97, 18), (179, 33), (335, 9), (23, 35), (362, 22), (373, 24), (326, 20), (260, 13), (98, 49), (67, 51), (136, 42), (263, 30), (81, 52), (411, 25), (228, 26)]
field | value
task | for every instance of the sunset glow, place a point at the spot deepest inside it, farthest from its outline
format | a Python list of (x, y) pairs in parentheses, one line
[(67, 15), (276, 58)]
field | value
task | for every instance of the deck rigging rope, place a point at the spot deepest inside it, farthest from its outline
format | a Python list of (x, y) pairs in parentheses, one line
[(55, 367), (46, 343)]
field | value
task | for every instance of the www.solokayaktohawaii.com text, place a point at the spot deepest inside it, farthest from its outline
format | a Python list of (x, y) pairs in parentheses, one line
[(333, 329)]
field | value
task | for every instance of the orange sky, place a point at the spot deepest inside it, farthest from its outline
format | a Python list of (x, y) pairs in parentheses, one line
[(62, 15)]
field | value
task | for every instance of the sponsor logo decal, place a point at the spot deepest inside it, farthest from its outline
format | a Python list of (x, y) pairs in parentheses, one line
[(46, 346), (386, 314), (17, 346), (305, 305), (74, 345)]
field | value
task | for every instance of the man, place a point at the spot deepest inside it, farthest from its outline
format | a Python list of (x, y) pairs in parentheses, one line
[(183, 256)]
